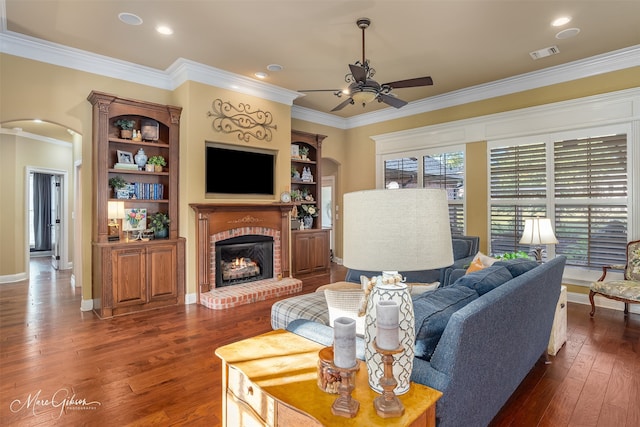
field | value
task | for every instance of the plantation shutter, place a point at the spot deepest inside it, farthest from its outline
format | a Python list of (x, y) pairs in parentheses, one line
[(518, 190), (518, 172), (591, 190)]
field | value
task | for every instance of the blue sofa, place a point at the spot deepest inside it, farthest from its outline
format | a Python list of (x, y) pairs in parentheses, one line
[(476, 349), (464, 249)]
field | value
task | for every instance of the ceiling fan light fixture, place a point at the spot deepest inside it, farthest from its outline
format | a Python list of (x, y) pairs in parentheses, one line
[(364, 96)]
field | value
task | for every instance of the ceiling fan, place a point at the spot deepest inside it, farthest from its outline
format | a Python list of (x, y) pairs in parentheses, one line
[(363, 89)]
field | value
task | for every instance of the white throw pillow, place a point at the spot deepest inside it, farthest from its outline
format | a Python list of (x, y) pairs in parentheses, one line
[(345, 303)]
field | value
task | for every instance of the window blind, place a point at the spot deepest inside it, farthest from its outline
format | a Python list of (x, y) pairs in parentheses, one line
[(518, 172), (591, 189)]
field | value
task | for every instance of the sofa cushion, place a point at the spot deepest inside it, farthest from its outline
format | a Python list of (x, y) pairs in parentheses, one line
[(517, 266), (432, 311), (461, 248), (485, 280)]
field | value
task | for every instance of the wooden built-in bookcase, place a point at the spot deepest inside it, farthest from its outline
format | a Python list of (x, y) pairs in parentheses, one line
[(309, 247), (132, 275)]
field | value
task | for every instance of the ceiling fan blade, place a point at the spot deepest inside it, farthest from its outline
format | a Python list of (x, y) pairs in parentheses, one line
[(343, 104), (392, 100), (420, 81), (358, 73), (321, 90)]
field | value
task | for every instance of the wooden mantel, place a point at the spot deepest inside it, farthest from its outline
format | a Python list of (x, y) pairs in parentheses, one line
[(215, 218)]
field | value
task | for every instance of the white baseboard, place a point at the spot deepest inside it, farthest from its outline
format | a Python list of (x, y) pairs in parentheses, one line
[(12, 278), (191, 298), (86, 305)]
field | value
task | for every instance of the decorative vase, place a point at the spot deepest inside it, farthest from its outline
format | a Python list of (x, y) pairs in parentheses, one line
[(307, 221), (403, 363), (161, 234), (141, 159)]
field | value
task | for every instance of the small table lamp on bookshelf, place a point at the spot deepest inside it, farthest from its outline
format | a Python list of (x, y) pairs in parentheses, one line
[(538, 232), (115, 211)]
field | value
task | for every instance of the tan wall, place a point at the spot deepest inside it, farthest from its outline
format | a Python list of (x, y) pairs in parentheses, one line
[(32, 89)]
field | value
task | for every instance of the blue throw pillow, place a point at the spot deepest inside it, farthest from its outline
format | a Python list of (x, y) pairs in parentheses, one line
[(432, 311), (485, 280), (517, 266)]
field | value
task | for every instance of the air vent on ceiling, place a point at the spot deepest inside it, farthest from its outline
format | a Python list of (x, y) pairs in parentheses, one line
[(547, 51)]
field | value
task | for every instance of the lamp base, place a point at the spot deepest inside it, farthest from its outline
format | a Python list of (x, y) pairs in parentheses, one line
[(537, 252), (387, 288), (114, 231)]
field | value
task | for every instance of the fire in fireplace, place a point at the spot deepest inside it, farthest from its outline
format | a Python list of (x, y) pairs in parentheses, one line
[(243, 259)]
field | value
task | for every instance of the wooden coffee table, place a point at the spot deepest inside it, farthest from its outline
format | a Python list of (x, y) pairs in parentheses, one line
[(271, 379)]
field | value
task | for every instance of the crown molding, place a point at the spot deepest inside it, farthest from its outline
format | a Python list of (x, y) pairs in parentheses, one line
[(177, 73), (183, 70)]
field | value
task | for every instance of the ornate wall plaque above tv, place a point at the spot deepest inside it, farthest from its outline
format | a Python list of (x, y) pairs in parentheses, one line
[(149, 129)]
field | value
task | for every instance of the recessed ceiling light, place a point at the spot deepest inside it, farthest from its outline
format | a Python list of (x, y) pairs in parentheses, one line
[(261, 75), (37, 121), (163, 29), (130, 18), (561, 21), (569, 32), (274, 67)]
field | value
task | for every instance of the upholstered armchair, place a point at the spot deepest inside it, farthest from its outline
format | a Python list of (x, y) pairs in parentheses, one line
[(626, 290)]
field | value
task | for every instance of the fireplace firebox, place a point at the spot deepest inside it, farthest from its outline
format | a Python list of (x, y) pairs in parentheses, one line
[(243, 259)]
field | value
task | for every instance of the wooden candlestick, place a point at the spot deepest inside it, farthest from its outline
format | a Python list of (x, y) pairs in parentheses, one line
[(388, 405), (345, 405)]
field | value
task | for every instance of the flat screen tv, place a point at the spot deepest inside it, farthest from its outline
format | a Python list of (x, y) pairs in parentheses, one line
[(238, 170)]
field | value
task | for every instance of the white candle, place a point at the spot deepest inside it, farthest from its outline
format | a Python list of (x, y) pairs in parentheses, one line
[(387, 321), (344, 342)]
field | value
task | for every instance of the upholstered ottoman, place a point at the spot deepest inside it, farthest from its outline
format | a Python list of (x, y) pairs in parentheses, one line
[(311, 306)]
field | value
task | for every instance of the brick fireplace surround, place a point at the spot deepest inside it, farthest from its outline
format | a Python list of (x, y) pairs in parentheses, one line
[(216, 222)]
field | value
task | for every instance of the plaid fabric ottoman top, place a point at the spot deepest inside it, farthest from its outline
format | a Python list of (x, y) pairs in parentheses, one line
[(312, 306)]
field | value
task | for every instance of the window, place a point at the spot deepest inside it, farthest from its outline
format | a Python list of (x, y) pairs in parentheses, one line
[(591, 199), (403, 171), (433, 170), (580, 183)]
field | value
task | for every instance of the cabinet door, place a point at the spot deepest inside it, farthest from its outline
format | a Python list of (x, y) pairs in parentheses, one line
[(162, 265), (302, 244), (129, 276), (320, 251)]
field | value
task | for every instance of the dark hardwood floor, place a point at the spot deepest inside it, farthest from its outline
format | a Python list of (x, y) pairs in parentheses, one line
[(61, 366)]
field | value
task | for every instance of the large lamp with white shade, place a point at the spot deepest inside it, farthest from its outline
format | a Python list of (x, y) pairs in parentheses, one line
[(395, 231)]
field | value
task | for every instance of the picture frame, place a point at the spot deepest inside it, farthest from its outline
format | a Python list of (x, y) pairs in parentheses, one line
[(134, 219), (150, 129), (125, 156), (295, 151)]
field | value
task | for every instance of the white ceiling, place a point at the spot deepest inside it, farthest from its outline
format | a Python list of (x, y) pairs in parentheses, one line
[(460, 44)]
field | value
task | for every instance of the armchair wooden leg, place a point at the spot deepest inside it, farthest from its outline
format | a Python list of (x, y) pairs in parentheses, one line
[(593, 305)]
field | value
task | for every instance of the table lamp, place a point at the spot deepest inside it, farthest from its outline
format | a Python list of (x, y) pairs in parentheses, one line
[(538, 232), (395, 231), (115, 211)]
